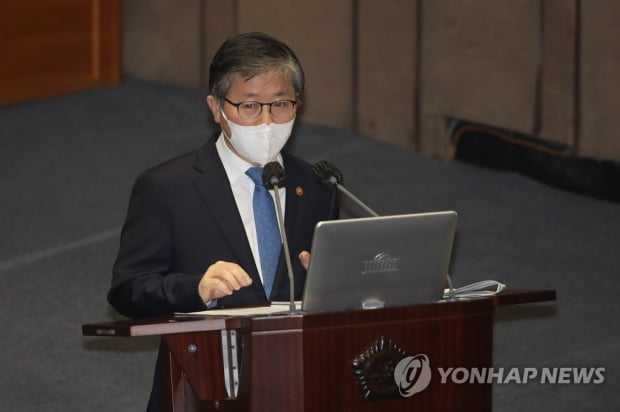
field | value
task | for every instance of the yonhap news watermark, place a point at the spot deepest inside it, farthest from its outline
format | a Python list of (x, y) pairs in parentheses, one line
[(542, 375), (386, 371), (412, 374)]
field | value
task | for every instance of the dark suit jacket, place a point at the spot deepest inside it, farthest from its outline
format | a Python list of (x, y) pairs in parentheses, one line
[(182, 217)]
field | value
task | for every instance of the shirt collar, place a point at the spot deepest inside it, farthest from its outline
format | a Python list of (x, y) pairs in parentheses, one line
[(234, 165)]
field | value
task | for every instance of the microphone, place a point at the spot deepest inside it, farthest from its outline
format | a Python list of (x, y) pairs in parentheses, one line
[(273, 179), (327, 174), (273, 175)]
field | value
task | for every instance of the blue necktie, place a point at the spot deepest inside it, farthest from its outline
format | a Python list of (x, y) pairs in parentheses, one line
[(267, 231)]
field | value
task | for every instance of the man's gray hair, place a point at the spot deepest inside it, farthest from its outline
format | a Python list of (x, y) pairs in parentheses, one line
[(251, 54)]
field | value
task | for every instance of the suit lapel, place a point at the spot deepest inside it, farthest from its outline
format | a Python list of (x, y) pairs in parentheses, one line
[(294, 203), (213, 186)]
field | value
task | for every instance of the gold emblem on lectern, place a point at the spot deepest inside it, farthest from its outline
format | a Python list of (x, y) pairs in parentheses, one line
[(374, 370)]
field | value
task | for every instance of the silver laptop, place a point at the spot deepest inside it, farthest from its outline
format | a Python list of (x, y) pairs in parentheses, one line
[(378, 262)]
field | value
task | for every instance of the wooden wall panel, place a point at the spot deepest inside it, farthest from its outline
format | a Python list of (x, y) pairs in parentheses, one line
[(220, 22), (50, 48), (163, 40), (320, 32), (548, 68), (479, 63), (557, 86), (599, 135), (386, 71)]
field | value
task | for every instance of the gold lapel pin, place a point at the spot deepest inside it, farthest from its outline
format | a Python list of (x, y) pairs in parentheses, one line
[(299, 191)]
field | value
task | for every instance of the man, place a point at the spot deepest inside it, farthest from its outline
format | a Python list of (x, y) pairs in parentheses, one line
[(191, 239)]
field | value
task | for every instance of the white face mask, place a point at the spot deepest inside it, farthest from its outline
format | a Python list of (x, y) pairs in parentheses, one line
[(261, 143)]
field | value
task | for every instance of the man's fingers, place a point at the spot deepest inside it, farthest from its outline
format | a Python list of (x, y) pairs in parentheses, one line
[(304, 258), (232, 274), (220, 288), (222, 279)]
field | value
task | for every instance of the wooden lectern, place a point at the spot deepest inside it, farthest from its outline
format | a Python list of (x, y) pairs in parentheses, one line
[(339, 361)]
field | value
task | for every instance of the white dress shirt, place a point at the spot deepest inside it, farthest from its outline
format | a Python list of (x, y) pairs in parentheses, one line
[(243, 191)]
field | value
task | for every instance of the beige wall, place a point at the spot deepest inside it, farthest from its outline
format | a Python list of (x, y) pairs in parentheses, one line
[(600, 79), (479, 65), (161, 41), (386, 71), (396, 69), (320, 33)]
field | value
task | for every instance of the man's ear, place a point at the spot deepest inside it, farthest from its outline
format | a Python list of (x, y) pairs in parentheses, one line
[(214, 106)]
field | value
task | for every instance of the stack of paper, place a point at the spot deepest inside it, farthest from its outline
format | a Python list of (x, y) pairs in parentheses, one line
[(475, 290)]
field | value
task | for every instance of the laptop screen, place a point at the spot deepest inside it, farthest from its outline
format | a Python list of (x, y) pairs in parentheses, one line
[(377, 262)]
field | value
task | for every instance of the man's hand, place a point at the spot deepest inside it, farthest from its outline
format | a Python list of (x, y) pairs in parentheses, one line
[(222, 279), (304, 258)]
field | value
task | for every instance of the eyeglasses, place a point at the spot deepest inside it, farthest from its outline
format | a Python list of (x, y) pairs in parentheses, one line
[(280, 110)]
